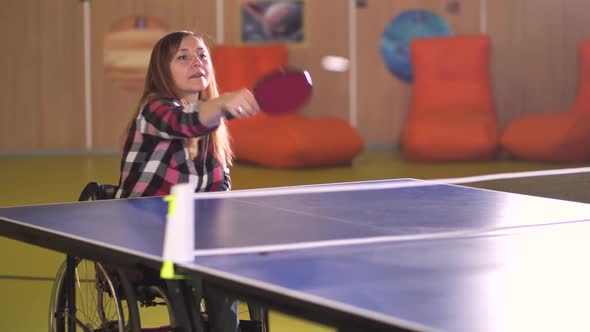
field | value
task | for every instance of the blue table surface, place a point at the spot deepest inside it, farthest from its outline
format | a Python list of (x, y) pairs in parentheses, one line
[(139, 224), (429, 282), (526, 279)]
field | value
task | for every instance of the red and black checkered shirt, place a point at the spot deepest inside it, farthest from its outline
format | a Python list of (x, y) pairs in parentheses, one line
[(156, 157)]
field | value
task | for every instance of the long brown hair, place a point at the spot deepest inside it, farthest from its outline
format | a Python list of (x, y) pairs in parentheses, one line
[(159, 82)]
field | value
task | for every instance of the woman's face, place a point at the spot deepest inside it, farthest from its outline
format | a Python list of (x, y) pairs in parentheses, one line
[(191, 68)]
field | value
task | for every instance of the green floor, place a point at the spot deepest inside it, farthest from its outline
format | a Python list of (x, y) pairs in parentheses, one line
[(26, 271)]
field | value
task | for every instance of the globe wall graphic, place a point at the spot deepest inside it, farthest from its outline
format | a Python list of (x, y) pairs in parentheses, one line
[(395, 42)]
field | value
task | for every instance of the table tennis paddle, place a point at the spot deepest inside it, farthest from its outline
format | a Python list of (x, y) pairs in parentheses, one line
[(281, 91)]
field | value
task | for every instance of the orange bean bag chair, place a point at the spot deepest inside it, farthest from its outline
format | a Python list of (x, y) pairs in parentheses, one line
[(452, 115), (293, 141), (285, 141), (555, 136)]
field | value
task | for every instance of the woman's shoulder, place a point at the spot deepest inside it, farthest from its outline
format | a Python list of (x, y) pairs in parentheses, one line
[(155, 102), (163, 100)]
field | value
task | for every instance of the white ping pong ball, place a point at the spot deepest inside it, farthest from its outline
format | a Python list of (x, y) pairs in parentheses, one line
[(335, 63)]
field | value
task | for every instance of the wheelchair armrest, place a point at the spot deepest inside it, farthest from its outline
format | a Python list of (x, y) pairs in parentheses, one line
[(89, 192), (94, 191), (107, 191)]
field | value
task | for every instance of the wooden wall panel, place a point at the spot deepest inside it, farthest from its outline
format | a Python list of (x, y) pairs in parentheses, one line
[(384, 100), (17, 126), (535, 44), (325, 37), (535, 65), (42, 103), (231, 26), (113, 106)]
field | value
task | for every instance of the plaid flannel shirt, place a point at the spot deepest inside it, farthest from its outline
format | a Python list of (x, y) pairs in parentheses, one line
[(156, 157)]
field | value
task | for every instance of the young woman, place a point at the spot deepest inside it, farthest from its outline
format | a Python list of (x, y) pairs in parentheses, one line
[(178, 134)]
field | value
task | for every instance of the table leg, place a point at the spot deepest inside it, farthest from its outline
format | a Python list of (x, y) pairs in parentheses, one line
[(70, 287)]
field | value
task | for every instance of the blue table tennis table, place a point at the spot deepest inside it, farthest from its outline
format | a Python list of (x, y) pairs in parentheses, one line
[(424, 258)]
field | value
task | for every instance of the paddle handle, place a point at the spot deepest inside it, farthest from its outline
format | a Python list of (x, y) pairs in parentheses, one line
[(227, 114)]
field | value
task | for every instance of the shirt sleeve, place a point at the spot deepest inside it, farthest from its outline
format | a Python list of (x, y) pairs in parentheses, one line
[(167, 118), (226, 180)]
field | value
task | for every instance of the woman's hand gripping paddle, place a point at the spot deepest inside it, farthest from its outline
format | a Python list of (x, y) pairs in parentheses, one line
[(282, 91)]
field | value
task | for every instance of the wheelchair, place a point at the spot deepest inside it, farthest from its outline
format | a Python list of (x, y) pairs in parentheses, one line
[(100, 297)]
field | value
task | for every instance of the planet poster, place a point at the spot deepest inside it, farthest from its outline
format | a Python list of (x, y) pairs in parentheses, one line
[(398, 34), (272, 21)]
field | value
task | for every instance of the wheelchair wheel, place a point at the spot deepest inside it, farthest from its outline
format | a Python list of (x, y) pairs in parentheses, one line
[(150, 296), (99, 304)]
